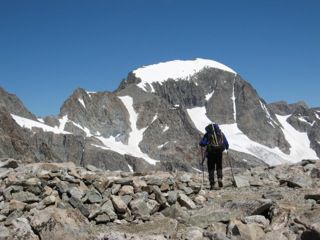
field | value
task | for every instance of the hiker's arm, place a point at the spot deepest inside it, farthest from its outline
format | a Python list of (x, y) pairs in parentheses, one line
[(225, 142), (204, 141)]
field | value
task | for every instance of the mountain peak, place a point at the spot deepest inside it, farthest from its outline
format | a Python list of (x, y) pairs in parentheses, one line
[(176, 69)]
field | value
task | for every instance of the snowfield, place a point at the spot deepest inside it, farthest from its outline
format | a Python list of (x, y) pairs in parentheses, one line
[(238, 141), (28, 123), (175, 70)]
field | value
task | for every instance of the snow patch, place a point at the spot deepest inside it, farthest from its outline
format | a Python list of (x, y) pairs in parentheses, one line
[(317, 116), (85, 129), (135, 136), (63, 121), (199, 117), (82, 102), (28, 123), (155, 118), (40, 120), (197, 170), (89, 93), (162, 145), (272, 122), (233, 98), (175, 70), (130, 168), (166, 128), (302, 119), (299, 142), (209, 95)]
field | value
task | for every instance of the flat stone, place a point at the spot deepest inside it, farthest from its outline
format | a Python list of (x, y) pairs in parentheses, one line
[(154, 180), (242, 181), (124, 181), (103, 218), (26, 197), (16, 205), (299, 181)]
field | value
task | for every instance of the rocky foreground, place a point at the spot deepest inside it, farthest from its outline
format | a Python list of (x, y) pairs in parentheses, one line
[(63, 201)]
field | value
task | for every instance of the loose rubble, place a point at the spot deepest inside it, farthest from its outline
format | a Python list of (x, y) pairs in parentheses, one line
[(63, 201)]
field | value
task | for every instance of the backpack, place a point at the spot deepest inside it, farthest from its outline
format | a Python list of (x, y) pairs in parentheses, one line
[(215, 139)]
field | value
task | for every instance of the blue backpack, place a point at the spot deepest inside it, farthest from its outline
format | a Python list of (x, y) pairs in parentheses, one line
[(215, 139)]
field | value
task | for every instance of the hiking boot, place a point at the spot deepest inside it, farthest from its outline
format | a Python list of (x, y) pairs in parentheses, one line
[(212, 186), (220, 184)]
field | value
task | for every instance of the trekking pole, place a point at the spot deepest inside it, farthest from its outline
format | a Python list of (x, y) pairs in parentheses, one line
[(233, 181), (202, 167)]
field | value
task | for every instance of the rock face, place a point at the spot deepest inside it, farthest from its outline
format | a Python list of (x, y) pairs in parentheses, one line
[(13, 105), (154, 121), (64, 201)]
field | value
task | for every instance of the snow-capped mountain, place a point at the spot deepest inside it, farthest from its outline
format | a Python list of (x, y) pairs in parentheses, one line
[(158, 114)]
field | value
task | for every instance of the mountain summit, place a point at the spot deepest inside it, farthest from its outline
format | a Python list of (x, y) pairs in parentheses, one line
[(157, 115)]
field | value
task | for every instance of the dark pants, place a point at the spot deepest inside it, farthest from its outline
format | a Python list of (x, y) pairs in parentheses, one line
[(214, 163)]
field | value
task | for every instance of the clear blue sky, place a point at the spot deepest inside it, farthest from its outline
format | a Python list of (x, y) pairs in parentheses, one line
[(48, 48)]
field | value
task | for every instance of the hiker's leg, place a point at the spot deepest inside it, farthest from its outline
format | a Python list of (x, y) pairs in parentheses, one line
[(211, 168), (219, 168)]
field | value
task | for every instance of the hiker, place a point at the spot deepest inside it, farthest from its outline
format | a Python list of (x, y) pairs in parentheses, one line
[(215, 142)]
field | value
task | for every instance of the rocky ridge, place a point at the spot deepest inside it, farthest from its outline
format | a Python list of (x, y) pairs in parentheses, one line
[(65, 201), (154, 121)]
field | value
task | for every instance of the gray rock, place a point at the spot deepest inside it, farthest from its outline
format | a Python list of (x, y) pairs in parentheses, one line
[(93, 196), (172, 197), (76, 192), (273, 195), (139, 208), (185, 201), (257, 219), (102, 218), (76, 203), (26, 197), (119, 204), (206, 216), (159, 196), (22, 229), (4, 233), (153, 206), (299, 181), (242, 181)]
